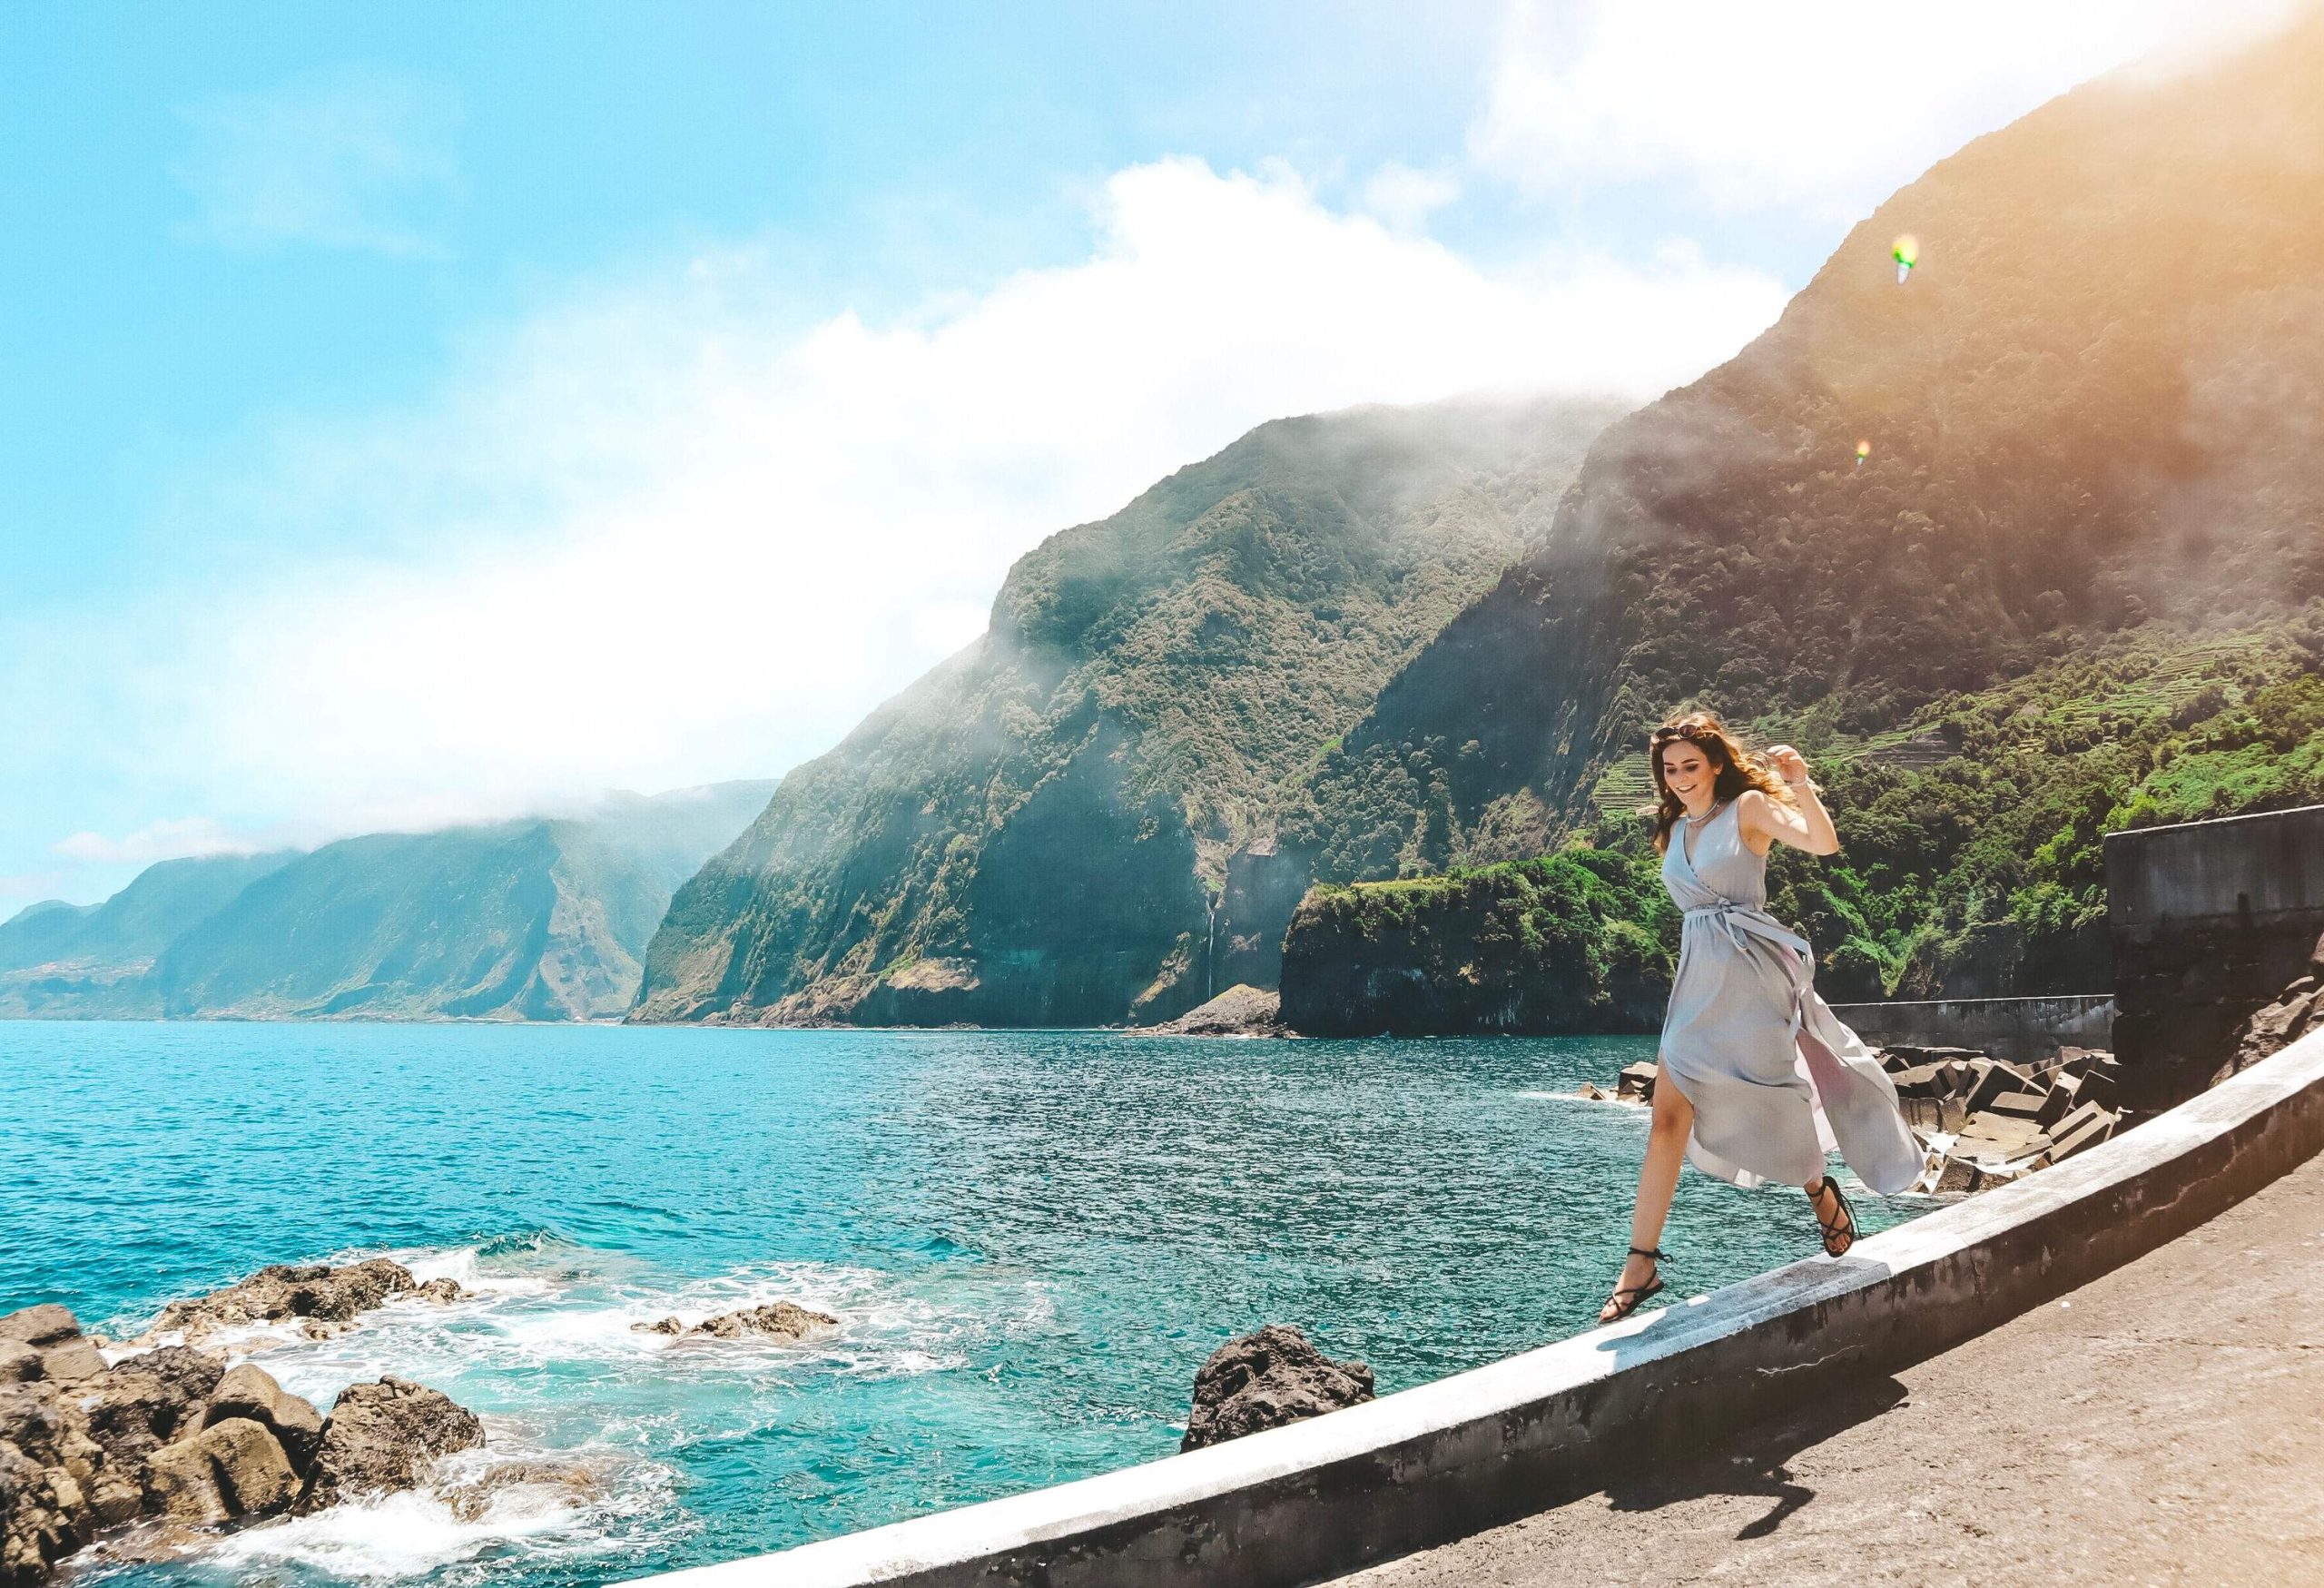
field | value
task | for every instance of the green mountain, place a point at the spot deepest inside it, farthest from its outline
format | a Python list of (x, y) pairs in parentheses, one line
[(543, 919), (1074, 819), (2094, 498), (93, 958)]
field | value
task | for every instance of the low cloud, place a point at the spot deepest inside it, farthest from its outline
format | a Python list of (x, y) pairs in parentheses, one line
[(174, 840), (358, 160), (1823, 106), (661, 536)]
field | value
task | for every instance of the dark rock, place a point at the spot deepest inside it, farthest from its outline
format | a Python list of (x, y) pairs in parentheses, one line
[(383, 1437), (1636, 1082), (19, 1363), (52, 1481), (316, 1291), (2273, 1027), (1266, 1379), (783, 1321), (145, 1401), (249, 1391), (230, 1469), (45, 1325), (1241, 1010)]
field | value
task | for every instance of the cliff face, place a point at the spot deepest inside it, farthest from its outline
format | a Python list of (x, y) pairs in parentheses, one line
[(86, 959), (2073, 584), (1038, 832), (2094, 404), (540, 920)]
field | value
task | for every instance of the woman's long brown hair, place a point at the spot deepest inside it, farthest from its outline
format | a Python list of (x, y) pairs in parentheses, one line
[(1739, 768)]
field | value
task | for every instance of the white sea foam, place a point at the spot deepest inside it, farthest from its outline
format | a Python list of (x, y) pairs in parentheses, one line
[(542, 1344)]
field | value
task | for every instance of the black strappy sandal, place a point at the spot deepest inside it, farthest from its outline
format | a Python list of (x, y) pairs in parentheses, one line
[(1839, 1237), (1637, 1293)]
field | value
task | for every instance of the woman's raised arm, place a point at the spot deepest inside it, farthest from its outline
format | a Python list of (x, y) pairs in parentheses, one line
[(1807, 827)]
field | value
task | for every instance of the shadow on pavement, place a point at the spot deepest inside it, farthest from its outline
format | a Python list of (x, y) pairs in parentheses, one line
[(1754, 1461)]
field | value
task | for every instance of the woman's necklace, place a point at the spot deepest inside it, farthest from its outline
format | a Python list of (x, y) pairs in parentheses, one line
[(1695, 823)]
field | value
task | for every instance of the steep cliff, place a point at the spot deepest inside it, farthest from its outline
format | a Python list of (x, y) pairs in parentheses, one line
[(1043, 830), (2094, 477), (2095, 404)]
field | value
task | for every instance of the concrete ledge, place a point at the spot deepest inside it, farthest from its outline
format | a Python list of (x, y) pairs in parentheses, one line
[(1446, 1459)]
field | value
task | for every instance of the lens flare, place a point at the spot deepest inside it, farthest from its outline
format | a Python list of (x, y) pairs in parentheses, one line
[(1863, 451), (1906, 252)]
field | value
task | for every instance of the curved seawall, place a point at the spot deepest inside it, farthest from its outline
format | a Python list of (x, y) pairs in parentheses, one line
[(1446, 1459)]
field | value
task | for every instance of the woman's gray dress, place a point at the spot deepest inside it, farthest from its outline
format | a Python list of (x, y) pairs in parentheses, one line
[(1775, 1080)]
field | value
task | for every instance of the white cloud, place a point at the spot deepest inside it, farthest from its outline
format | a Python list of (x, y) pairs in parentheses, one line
[(359, 161), (1823, 105), (655, 538), (168, 840), (1403, 198)]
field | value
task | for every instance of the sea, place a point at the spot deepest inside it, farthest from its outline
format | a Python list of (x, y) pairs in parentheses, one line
[(1031, 1240)]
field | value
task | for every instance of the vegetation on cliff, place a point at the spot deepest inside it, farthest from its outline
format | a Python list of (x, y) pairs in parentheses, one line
[(1039, 832), (2093, 406), (1971, 862), (2075, 586)]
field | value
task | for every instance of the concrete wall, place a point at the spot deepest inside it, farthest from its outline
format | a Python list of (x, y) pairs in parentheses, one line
[(1298, 1504), (2209, 920), (2007, 1028)]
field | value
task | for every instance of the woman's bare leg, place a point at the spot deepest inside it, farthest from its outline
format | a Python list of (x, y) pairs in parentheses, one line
[(1657, 1179)]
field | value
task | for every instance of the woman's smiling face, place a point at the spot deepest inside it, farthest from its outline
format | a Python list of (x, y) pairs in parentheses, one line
[(1687, 772)]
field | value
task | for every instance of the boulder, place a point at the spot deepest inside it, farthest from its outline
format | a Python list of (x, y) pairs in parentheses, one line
[(445, 1289), (45, 1325), (249, 1391), (1242, 1010), (229, 1469), (19, 1363), (48, 1467), (472, 1497), (383, 1437), (783, 1320), (143, 1401), (1636, 1082), (1266, 1379), (74, 1360), (2273, 1028), (285, 1290)]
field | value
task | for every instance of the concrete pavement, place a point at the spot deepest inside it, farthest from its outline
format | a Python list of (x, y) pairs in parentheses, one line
[(2165, 1424)]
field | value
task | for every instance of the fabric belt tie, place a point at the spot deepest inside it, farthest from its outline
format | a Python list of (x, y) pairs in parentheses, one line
[(1740, 921)]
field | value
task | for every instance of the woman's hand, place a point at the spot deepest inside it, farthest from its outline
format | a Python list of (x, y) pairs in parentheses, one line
[(1800, 822)]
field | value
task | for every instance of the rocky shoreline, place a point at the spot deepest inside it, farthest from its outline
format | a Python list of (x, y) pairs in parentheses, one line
[(171, 1442), (1983, 1121)]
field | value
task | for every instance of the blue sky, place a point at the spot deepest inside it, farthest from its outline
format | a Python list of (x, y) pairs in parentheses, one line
[(422, 412)]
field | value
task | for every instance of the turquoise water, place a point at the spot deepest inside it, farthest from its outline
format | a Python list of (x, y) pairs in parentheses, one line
[(1032, 1240)]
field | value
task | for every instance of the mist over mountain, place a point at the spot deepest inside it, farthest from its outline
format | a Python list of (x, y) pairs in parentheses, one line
[(1073, 819), (2090, 419), (2065, 589), (544, 919)]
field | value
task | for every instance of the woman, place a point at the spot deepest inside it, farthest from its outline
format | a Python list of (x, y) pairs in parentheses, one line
[(1758, 1079)]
